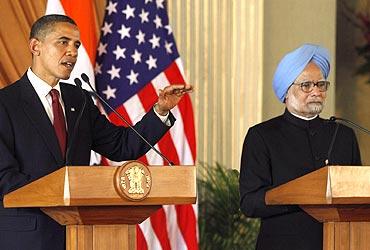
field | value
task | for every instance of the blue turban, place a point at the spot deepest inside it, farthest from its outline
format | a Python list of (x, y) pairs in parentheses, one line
[(292, 65)]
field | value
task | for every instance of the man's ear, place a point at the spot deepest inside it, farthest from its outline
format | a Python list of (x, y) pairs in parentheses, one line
[(34, 46)]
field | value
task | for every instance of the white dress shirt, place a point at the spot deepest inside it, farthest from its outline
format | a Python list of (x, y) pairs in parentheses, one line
[(43, 91)]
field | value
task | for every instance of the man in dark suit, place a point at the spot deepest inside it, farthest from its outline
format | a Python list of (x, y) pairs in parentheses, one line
[(291, 145), (37, 116)]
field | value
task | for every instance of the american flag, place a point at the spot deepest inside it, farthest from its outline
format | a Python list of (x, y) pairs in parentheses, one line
[(136, 57)]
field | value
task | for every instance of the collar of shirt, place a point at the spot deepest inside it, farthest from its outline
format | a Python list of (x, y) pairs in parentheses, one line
[(314, 123), (305, 118), (42, 89)]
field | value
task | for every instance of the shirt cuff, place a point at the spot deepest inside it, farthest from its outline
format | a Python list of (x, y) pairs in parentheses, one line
[(164, 118)]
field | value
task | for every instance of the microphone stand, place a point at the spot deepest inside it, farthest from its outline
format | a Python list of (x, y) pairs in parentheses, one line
[(86, 79)]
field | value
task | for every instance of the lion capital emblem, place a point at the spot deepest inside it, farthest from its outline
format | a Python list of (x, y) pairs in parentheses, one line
[(133, 180)]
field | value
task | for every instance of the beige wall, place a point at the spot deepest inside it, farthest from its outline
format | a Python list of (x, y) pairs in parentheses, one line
[(287, 25)]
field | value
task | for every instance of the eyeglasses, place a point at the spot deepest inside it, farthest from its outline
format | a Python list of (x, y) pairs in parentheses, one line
[(308, 86)]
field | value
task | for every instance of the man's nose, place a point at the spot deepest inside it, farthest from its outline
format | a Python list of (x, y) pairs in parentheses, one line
[(72, 51), (316, 90)]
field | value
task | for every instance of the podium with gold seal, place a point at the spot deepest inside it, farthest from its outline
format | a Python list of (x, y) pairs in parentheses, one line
[(101, 206)]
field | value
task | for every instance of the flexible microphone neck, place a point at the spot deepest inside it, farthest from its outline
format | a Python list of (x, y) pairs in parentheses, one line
[(86, 79), (333, 119), (75, 128), (332, 143)]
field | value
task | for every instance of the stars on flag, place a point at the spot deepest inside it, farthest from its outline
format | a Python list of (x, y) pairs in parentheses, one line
[(158, 22), (136, 56), (129, 12), (159, 4), (124, 31), (144, 16), (132, 77), (154, 41), (110, 92), (168, 46), (102, 48), (107, 28), (140, 37), (111, 8), (114, 72), (119, 52), (97, 68), (169, 29), (152, 62), (136, 45)]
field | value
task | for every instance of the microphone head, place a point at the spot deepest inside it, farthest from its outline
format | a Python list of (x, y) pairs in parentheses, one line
[(332, 119), (85, 78), (78, 82)]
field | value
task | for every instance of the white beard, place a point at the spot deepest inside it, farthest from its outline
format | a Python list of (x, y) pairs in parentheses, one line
[(311, 109)]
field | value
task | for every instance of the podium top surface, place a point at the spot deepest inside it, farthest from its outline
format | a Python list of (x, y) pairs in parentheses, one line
[(328, 185), (94, 186)]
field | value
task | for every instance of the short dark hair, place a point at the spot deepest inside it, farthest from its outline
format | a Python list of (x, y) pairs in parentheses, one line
[(45, 23)]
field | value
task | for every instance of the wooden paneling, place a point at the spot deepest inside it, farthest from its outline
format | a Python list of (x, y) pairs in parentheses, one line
[(360, 236), (105, 237), (328, 237), (101, 237), (346, 236), (342, 239)]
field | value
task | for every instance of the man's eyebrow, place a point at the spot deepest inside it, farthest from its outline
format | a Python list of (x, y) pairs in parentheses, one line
[(64, 38), (69, 39)]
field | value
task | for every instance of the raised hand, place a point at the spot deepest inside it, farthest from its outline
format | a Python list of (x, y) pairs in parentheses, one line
[(170, 96)]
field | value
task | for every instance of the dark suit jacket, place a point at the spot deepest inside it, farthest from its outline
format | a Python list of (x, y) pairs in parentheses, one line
[(29, 150), (280, 150)]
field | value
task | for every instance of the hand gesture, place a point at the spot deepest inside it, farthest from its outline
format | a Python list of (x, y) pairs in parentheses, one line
[(170, 96)]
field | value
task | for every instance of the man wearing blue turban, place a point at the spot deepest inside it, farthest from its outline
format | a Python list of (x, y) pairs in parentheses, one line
[(292, 145)]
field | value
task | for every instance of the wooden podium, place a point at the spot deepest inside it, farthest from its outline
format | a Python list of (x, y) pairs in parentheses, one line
[(96, 216), (338, 196)]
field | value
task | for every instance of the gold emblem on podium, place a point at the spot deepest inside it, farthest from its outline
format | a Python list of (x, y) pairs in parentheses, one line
[(133, 181)]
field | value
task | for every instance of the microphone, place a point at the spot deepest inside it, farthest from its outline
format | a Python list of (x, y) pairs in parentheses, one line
[(86, 79), (75, 128), (334, 119)]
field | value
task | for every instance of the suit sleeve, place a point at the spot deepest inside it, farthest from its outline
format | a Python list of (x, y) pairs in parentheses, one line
[(255, 179), (120, 143), (11, 177)]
